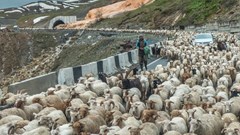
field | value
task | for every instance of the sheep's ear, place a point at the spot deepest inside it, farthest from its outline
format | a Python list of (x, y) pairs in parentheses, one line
[(199, 121), (129, 128), (223, 130), (112, 112)]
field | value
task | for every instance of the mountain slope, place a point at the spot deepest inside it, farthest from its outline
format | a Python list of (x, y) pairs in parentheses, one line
[(175, 12)]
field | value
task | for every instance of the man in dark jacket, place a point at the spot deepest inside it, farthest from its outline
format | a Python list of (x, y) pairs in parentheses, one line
[(142, 55)]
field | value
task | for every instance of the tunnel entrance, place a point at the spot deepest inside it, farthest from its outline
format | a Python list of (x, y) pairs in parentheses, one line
[(56, 23)]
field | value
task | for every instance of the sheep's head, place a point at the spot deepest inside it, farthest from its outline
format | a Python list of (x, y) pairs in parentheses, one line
[(149, 116), (45, 120), (12, 128), (188, 106), (228, 105), (191, 113), (109, 105), (117, 120), (168, 104), (3, 100), (230, 131), (78, 127), (175, 113), (20, 102), (83, 112), (135, 130), (194, 124), (50, 91), (93, 103), (150, 104)]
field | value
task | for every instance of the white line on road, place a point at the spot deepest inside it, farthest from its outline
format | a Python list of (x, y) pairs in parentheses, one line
[(154, 61)]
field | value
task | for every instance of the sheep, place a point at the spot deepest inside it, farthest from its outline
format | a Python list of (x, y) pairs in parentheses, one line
[(109, 116), (222, 96), (104, 130), (44, 111), (87, 95), (57, 116), (173, 133), (148, 115), (155, 102), (114, 97), (130, 100), (223, 80), (114, 90), (66, 129), (112, 105), (97, 87), (89, 124), (192, 97), (144, 129), (206, 125), (123, 131), (132, 91), (122, 122), (196, 112), (180, 90), (28, 109), (209, 90), (13, 111), (233, 105), (5, 128), (38, 131), (164, 93), (63, 94), (177, 124), (10, 118), (232, 129), (172, 103), (229, 118), (136, 109), (51, 101)]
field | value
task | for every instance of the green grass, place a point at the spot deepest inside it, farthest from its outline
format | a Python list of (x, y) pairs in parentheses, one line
[(196, 12)]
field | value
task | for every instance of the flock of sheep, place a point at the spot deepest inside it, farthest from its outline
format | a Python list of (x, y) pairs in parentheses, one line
[(197, 93)]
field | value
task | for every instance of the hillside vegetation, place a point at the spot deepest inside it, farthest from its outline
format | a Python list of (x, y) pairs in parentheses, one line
[(175, 13)]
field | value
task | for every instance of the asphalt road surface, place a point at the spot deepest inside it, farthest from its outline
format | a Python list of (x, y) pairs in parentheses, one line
[(153, 62)]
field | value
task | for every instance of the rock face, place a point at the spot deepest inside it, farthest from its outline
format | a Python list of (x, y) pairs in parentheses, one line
[(107, 12)]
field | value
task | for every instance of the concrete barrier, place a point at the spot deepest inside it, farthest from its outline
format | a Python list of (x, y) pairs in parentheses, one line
[(135, 56), (90, 68), (35, 85), (65, 76)]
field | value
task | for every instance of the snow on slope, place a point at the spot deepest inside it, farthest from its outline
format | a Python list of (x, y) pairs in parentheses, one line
[(36, 20)]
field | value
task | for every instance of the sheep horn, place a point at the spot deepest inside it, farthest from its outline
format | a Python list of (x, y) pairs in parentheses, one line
[(112, 104), (11, 129), (101, 103)]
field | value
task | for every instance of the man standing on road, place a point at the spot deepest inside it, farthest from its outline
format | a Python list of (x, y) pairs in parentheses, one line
[(143, 51)]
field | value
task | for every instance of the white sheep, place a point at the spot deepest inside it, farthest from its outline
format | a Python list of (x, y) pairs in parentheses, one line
[(38, 131), (177, 124), (98, 87), (155, 102)]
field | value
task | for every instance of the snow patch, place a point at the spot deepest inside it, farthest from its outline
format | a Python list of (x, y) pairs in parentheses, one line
[(13, 11), (45, 6), (36, 20)]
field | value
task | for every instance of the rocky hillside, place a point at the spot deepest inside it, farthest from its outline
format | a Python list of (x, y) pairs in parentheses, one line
[(175, 13)]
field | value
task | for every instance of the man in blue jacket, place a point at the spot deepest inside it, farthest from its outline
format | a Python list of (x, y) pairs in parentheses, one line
[(142, 52)]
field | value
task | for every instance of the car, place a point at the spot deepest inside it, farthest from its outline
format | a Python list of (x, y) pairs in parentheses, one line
[(203, 39)]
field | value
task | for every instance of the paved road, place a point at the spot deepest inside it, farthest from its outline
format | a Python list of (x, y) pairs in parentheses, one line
[(153, 62)]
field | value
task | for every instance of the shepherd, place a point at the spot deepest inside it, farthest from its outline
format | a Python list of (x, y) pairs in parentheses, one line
[(143, 52)]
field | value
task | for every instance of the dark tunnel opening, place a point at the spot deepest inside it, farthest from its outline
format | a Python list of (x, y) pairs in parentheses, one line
[(58, 22)]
